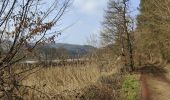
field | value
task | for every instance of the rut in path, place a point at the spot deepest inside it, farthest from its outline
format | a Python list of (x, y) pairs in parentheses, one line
[(154, 84)]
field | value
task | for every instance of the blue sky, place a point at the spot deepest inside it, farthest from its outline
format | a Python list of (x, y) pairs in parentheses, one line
[(86, 17)]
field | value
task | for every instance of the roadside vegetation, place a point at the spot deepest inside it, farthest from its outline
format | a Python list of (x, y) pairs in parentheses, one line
[(130, 87), (132, 62)]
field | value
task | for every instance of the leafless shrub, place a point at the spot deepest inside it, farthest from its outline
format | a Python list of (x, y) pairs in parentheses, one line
[(23, 22)]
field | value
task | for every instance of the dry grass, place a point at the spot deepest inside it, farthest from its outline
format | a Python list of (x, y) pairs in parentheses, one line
[(55, 80)]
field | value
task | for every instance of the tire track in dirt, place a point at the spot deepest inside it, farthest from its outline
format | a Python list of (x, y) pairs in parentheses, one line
[(145, 92), (153, 82)]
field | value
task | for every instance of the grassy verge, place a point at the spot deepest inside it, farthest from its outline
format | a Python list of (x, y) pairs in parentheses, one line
[(114, 87), (83, 83), (130, 87)]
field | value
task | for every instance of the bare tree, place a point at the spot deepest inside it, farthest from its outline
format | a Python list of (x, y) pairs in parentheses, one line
[(128, 22), (118, 31), (23, 22)]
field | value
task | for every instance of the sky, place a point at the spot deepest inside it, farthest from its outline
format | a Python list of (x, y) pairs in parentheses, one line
[(83, 19)]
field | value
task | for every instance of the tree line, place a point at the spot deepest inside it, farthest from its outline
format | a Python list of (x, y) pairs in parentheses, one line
[(141, 40)]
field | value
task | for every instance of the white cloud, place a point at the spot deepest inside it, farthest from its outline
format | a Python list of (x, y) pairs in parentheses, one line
[(89, 6)]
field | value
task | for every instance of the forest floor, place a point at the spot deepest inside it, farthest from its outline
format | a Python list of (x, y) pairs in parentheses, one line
[(154, 83)]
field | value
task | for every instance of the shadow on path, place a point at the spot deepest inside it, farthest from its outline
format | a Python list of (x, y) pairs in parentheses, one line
[(154, 71), (147, 73)]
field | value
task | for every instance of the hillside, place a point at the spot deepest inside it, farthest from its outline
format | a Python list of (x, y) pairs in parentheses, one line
[(71, 50)]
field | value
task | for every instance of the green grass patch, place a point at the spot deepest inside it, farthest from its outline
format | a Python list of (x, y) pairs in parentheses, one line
[(130, 87)]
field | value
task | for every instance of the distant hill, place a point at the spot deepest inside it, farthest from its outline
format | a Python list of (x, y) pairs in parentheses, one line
[(69, 46), (73, 49)]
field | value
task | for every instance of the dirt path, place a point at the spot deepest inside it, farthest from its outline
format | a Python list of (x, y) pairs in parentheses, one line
[(154, 84)]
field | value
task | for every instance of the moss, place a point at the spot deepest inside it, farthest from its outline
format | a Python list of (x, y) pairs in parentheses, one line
[(130, 88)]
